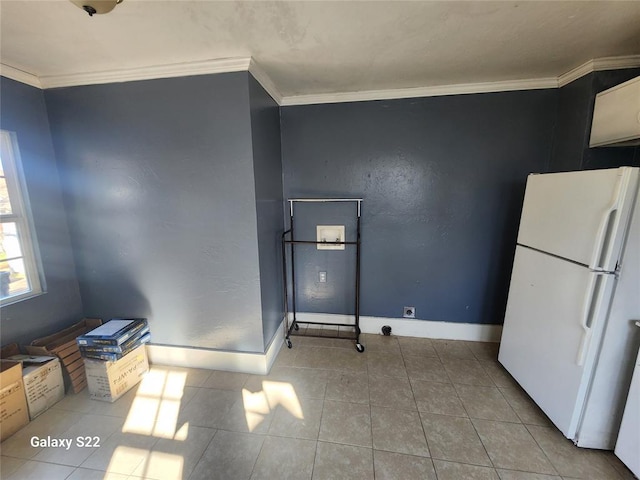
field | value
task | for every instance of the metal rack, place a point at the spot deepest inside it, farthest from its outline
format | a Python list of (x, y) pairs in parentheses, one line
[(292, 242)]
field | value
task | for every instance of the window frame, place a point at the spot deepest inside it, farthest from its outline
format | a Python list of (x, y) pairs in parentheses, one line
[(21, 216)]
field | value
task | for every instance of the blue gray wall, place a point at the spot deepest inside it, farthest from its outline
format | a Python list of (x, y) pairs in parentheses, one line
[(575, 112), (267, 166), (173, 190), (442, 181), (23, 112), (160, 195)]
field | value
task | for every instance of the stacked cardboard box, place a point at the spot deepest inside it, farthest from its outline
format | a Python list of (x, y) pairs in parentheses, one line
[(41, 378), (63, 345), (13, 403), (108, 381), (115, 357)]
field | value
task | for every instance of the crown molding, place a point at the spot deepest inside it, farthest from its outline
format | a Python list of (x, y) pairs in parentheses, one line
[(616, 63), (242, 64), (436, 91), (20, 75), (576, 73), (224, 65), (263, 79), (598, 65)]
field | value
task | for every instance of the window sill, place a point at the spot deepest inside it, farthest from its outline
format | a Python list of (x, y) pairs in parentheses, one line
[(19, 298)]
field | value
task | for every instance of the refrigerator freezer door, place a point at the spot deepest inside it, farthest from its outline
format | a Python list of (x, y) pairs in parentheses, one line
[(580, 216), (555, 314)]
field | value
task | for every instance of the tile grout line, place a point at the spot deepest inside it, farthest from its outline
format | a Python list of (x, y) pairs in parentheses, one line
[(497, 387), (440, 358), (373, 456), (255, 462), (475, 430), (373, 460), (469, 416), (203, 452), (424, 433), (11, 476), (542, 449), (315, 456), (513, 423)]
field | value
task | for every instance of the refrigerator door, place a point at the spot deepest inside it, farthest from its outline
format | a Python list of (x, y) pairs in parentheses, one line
[(580, 216), (628, 445), (555, 314), (620, 344)]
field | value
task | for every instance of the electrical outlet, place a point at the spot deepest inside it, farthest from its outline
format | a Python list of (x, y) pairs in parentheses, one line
[(409, 312), (322, 277)]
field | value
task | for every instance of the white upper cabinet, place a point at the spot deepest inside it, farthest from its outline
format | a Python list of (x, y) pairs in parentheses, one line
[(616, 116)]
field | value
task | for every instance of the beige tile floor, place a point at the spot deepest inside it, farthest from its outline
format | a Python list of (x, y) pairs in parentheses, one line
[(404, 409)]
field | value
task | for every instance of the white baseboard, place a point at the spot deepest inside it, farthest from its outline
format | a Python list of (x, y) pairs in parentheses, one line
[(406, 327), (256, 363), (260, 363)]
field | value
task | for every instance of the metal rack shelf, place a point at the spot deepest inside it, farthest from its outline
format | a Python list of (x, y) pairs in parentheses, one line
[(291, 241)]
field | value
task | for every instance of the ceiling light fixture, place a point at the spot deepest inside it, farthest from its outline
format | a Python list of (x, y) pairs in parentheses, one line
[(96, 6)]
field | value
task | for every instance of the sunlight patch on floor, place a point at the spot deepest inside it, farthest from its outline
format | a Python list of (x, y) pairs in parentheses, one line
[(155, 409), (257, 405), (148, 464)]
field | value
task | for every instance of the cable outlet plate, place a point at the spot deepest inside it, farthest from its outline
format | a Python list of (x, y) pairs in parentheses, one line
[(409, 312)]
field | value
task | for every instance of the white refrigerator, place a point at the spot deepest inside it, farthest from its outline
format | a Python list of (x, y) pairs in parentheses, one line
[(568, 336)]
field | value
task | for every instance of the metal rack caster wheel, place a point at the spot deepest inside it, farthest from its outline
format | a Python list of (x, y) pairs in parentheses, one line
[(289, 344), (359, 347), (296, 326)]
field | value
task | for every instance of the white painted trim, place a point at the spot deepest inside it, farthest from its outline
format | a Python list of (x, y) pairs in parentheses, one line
[(274, 347), (256, 363), (406, 327), (228, 65), (20, 75), (263, 79), (598, 65), (260, 363), (437, 91), (576, 73), (616, 63), (224, 65)]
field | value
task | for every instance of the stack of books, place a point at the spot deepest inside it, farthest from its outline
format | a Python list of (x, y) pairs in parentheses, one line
[(115, 339)]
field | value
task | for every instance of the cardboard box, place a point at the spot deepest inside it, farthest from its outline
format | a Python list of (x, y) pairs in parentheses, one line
[(43, 385), (108, 381), (13, 404), (41, 377), (63, 345)]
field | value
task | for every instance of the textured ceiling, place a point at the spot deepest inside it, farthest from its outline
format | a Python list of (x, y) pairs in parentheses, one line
[(324, 46)]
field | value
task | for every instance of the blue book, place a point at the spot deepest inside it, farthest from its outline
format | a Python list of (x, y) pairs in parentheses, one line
[(115, 348), (112, 357), (115, 332)]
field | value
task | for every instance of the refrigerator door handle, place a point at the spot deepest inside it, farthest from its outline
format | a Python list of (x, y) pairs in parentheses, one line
[(586, 339), (606, 229), (588, 310)]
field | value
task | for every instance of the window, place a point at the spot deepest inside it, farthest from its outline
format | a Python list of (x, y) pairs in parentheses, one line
[(19, 265)]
